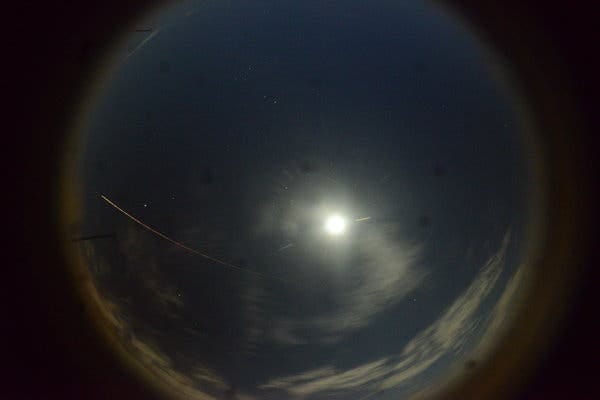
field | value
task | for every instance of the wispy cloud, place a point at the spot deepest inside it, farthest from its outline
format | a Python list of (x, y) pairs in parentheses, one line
[(503, 312), (386, 274), (371, 267), (253, 314), (206, 376), (447, 334), (201, 384), (327, 379), (166, 298), (159, 365)]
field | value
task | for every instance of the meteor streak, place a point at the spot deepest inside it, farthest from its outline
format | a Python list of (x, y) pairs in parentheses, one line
[(143, 42), (287, 246), (176, 243)]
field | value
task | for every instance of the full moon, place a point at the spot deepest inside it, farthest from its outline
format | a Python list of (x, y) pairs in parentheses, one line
[(335, 225)]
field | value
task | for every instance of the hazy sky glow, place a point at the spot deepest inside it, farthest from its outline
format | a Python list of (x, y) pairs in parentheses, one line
[(314, 199)]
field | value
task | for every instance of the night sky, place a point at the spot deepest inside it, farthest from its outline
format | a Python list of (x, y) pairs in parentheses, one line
[(237, 128)]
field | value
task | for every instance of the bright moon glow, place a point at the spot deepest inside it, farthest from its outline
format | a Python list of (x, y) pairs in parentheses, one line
[(335, 225)]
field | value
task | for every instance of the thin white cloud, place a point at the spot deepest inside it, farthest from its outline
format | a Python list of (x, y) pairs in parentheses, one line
[(188, 386), (384, 266), (283, 333), (201, 384), (253, 315), (165, 298), (181, 384), (206, 376), (327, 378), (449, 331), (386, 275), (503, 313), (447, 334)]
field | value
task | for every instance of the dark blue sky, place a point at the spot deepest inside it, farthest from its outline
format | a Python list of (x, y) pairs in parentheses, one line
[(238, 126)]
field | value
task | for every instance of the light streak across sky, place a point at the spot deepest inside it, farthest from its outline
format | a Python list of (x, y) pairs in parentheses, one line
[(179, 244), (143, 42)]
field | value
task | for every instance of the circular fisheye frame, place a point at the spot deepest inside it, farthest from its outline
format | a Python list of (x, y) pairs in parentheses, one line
[(304, 200)]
